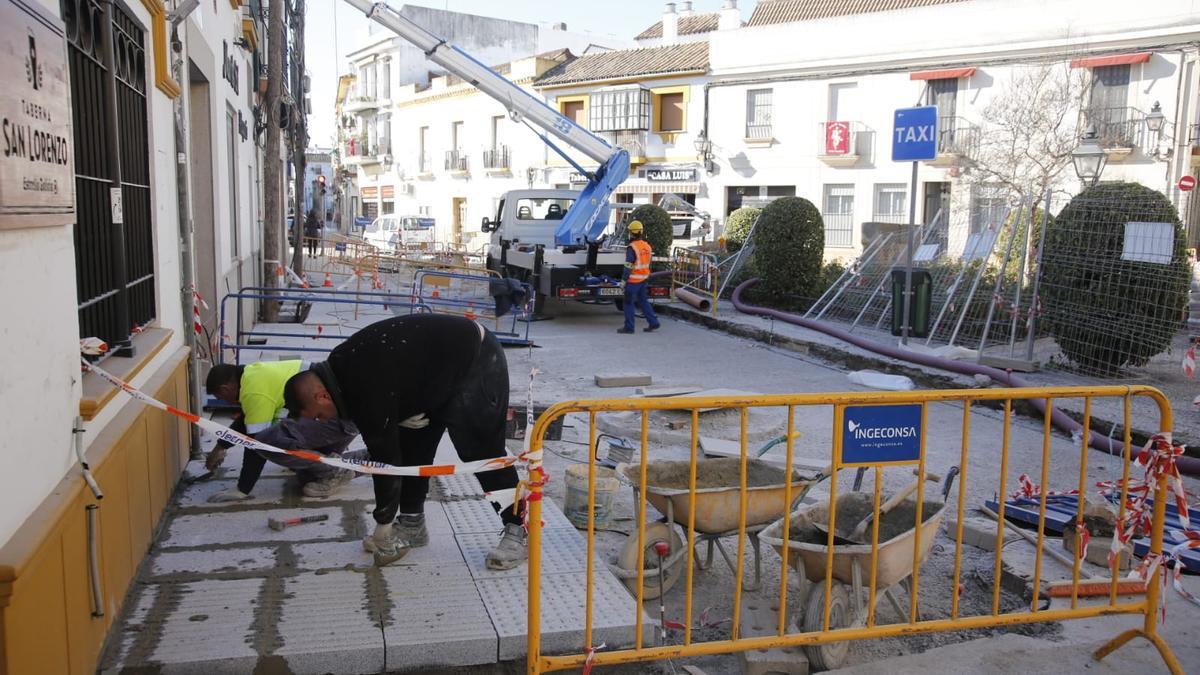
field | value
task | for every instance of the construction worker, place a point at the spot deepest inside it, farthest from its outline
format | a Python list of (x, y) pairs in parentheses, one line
[(404, 382), (257, 389), (635, 278)]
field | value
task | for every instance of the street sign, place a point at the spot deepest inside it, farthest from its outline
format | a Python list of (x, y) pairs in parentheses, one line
[(1187, 183), (914, 134), (881, 434)]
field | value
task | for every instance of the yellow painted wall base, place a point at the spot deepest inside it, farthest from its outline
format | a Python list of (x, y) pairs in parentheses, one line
[(46, 620)]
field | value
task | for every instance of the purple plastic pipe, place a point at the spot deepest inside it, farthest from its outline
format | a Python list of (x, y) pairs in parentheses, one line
[(1187, 465)]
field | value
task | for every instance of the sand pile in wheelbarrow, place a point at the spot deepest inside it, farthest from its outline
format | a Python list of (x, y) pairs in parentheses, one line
[(712, 473), (851, 512)]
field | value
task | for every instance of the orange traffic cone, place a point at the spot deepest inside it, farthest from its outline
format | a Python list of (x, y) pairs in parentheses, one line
[(328, 280)]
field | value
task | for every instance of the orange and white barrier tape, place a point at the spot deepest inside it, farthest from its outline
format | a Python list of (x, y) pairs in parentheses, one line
[(361, 466)]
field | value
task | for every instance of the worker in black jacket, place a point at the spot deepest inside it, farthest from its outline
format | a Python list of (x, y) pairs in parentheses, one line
[(404, 382)]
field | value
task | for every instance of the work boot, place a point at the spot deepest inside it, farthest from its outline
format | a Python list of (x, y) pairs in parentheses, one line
[(625, 331), (329, 485), (385, 544), (407, 529), (651, 329), (512, 550)]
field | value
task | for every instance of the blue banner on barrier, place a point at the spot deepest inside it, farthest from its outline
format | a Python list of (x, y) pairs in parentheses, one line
[(881, 434)]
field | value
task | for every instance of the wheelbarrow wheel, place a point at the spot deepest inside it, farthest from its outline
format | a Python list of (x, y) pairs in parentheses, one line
[(830, 655), (655, 533)]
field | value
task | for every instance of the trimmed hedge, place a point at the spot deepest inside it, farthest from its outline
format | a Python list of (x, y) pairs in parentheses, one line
[(737, 227), (658, 231), (1106, 312), (789, 245)]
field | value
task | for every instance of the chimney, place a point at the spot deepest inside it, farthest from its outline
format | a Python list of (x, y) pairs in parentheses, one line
[(731, 17), (670, 25), (685, 9)]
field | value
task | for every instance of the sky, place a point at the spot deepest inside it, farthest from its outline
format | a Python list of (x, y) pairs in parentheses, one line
[(334, 26)]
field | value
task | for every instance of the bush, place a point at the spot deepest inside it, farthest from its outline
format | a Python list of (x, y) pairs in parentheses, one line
[(789, 245), (658, 227), (1106, 312), (737, 227)]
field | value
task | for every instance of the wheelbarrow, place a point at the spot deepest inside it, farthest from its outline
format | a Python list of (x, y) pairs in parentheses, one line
[(848, 606), (716, 515)]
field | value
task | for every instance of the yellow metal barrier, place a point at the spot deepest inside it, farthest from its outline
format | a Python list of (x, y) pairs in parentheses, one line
[(872, 456), (695, 273)]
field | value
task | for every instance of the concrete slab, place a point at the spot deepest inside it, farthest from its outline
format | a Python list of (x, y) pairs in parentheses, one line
[(563, 551), (327, 625), (208, 631), (228, 527), (623, 379), (213, 562), (437, 618), (332, 555), (563, 606), (133, 626)]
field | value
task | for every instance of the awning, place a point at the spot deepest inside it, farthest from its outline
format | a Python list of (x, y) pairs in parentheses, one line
[(657, 188), (1119, 60), (946, 74), (389, 192), (369, 192)]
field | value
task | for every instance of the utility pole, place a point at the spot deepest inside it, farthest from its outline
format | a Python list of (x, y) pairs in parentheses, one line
[(273, 253), (299, 133)]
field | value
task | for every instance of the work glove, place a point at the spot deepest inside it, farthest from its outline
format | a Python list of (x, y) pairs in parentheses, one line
[(214, 459), (418, 421), (226, 496)]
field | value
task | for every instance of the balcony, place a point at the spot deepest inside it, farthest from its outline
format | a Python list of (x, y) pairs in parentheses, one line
[(1118, 130), (456, 163), (496, 160), (362, 153), (251, 16), (759, 135), (424, 166), (839, 143), (958, 141), (633, 141), (362, 103)]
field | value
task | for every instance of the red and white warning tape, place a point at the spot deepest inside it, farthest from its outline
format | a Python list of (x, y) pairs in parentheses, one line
[(361, 466)]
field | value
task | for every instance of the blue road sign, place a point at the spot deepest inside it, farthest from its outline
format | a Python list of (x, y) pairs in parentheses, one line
[(914, 134), (880, 434)]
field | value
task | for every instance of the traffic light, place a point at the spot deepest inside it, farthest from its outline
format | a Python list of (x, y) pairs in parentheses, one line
[(321, 182)]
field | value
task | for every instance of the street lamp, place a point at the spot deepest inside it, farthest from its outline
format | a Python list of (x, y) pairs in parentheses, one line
[(704, 149), (1154, 121), (1089, 158)]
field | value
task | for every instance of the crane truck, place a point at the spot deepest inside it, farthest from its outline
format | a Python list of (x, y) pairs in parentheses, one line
[(552, 239)]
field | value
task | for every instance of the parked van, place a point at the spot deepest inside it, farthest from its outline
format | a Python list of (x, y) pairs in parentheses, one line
[(396, 234)]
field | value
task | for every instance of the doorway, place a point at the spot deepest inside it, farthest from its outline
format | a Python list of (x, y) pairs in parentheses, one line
[(937, 198), (459, 215)]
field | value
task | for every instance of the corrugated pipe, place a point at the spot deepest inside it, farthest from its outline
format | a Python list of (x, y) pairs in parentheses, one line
[(1187, 465)]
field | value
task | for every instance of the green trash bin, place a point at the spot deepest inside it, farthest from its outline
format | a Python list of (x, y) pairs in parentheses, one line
[(919, 309)]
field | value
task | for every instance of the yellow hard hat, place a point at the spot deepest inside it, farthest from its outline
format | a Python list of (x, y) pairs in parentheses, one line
[(635, 227)]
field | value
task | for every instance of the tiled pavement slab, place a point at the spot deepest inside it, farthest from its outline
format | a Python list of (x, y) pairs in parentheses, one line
[(329, 555), (438, 618), (477, 515), (563, 551), (458, 486), (328, 625), (227, 527), (273, 491), (206, 631), (563, 602), (209, 562)]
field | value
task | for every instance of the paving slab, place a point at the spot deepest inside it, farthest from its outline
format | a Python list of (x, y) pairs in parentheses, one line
[(458, 486), (438, 618), (208, 630), (562, 621), (477, 515), (563, 551), (327, 625), (273, 490), (213, 562), (332, 555), (133, 625), (228, 527)]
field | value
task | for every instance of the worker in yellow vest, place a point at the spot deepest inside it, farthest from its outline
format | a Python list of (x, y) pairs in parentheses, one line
[(635, 278)]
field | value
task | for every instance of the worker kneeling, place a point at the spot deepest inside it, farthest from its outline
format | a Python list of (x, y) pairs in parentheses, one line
[(635, 278), (404, 382)]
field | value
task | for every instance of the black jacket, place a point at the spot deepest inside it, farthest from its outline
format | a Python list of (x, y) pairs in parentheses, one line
[(397, 368)]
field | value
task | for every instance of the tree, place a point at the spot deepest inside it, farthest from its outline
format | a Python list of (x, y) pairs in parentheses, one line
[(658, 232), (1029, 130), (789, 245)]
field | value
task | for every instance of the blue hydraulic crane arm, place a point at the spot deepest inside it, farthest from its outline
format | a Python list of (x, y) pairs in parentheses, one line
[(582, 223)]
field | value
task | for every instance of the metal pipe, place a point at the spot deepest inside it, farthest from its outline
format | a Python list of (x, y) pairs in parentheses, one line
[(94, 562), (1021, 271), (699, 302), (853, 269), (77, 433), (987, 322), (1034, 303), (975, 285)]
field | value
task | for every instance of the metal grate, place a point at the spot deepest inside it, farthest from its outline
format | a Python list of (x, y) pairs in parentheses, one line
[(114, 263)]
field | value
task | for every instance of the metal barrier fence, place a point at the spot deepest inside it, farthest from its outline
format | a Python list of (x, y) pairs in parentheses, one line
[(870, 431), (469, 295), (696, 275)]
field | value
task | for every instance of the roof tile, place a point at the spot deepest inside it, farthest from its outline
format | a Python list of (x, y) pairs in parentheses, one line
[(687, 57), (688, 25), (787, 11)]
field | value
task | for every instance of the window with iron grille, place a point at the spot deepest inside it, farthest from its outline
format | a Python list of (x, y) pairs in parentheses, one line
[(758, 113), (114, 261), (891, 203), (620, 110), (839, 215)]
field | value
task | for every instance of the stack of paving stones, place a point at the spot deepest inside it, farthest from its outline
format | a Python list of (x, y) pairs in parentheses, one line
[(221, 592)]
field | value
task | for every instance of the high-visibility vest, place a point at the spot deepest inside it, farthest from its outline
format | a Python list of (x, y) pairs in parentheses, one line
[(641, 264)]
